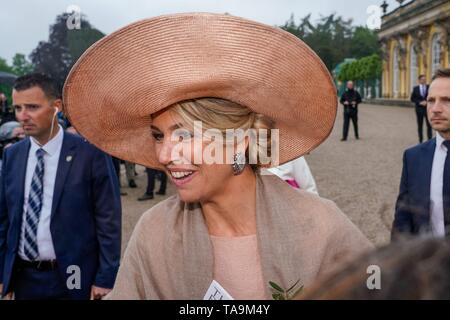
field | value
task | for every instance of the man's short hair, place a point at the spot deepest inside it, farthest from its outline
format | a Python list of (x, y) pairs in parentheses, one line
[(441, 73), (421, 76), (46, 83)]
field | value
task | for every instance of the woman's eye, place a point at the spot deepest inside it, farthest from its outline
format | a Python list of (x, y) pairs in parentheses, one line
[(183, 135), (158, 136)]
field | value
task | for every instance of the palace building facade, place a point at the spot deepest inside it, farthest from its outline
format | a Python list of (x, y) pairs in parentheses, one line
[(415, 40)]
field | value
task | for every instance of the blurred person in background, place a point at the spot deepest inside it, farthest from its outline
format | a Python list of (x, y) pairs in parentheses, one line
[(350, 99), (413, 269), (419, 97)]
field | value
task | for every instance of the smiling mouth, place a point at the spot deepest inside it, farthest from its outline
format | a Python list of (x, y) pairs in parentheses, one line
[(180, 175)]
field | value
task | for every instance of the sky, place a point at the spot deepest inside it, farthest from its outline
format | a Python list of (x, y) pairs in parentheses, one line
[(23, 23)]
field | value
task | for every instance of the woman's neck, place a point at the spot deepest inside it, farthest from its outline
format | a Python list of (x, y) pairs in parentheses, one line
[(233, 212)]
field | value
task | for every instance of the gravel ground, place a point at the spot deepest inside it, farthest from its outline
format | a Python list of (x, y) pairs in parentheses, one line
[(361, 176)]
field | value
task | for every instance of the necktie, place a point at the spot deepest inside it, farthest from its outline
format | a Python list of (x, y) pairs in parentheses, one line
[(422, 91), (446, 189), (33, 210)]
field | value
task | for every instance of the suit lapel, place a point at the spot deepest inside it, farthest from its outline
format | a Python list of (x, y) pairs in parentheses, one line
[(21, 169), (64, 164), (425, 168)]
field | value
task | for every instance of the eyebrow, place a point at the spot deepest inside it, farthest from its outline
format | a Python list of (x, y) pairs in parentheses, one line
[(26, 105), (443, 98), (172, 128)]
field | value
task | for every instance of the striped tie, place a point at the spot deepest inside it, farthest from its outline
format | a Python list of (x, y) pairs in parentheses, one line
[(33, 213)]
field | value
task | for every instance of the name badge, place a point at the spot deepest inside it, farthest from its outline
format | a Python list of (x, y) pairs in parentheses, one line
[(217, 292)]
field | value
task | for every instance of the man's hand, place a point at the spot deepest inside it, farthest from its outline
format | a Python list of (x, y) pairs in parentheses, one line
[(423, 103), (346, 103), (98, 293)]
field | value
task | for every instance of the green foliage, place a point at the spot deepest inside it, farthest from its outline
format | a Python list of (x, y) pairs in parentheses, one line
[(364, 43), (4, 87), (21, 65), (334, 38), (57, 55), (5, 67), (80, 40), (366, 68), (278, 293)]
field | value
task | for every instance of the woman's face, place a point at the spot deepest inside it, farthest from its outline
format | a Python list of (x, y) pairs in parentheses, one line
[(183, 157)]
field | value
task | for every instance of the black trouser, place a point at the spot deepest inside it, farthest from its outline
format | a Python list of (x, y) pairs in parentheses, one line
[(151, 176), (32, 284), (421, 113), (350, 113)]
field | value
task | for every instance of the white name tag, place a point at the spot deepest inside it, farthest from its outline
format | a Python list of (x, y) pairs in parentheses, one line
[(217, 292)]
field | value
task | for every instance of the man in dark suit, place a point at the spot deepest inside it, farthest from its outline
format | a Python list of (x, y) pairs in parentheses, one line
[(350, 99), (419, 97), (60, 210), (423, 204)]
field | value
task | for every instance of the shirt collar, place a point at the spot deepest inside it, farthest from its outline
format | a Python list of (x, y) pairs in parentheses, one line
[(439, 141), (52, 146)]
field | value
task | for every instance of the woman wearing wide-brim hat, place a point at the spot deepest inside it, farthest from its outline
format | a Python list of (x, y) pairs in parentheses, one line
[(138, 95)]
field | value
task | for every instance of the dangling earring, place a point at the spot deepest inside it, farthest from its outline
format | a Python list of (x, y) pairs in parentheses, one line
[(238, 163)]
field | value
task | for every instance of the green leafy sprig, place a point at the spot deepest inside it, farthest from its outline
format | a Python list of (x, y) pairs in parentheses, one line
[(278, 293)]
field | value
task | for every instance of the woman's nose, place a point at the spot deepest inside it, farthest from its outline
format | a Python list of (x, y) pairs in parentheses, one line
[(165, 155), (170, 151)]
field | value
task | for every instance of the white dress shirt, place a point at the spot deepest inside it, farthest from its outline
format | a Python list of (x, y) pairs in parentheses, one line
[(51, 157), (423, 89), (437, 184)]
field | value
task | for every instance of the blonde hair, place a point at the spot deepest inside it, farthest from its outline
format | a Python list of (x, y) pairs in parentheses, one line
[(221, 114)]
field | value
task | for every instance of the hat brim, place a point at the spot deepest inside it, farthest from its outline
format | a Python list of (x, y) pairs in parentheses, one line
[(122, 79)]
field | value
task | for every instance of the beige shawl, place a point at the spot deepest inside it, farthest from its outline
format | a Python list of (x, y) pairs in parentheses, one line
[(300, 236)]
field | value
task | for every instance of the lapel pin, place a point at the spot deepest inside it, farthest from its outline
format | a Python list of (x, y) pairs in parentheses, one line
[(69, 158)]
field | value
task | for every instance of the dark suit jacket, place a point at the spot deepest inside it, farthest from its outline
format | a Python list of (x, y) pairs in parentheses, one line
[(412, 211), (85, 219), (351, 95), (417, 98)]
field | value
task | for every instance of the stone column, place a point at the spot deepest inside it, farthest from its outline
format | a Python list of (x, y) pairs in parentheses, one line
[(386, 59)]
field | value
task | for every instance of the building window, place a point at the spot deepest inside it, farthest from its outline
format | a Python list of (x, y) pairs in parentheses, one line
[(435, 53), (413, 67), (396, 73)]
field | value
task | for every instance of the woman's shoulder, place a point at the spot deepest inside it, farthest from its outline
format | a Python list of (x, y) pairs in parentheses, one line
[(307, 208), (283, 193)]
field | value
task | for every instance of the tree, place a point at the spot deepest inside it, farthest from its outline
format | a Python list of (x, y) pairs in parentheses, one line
[(5, 67), (56, 56), (364, 43), (4, 87), (21, 65), (80, 40), (334, 39)]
